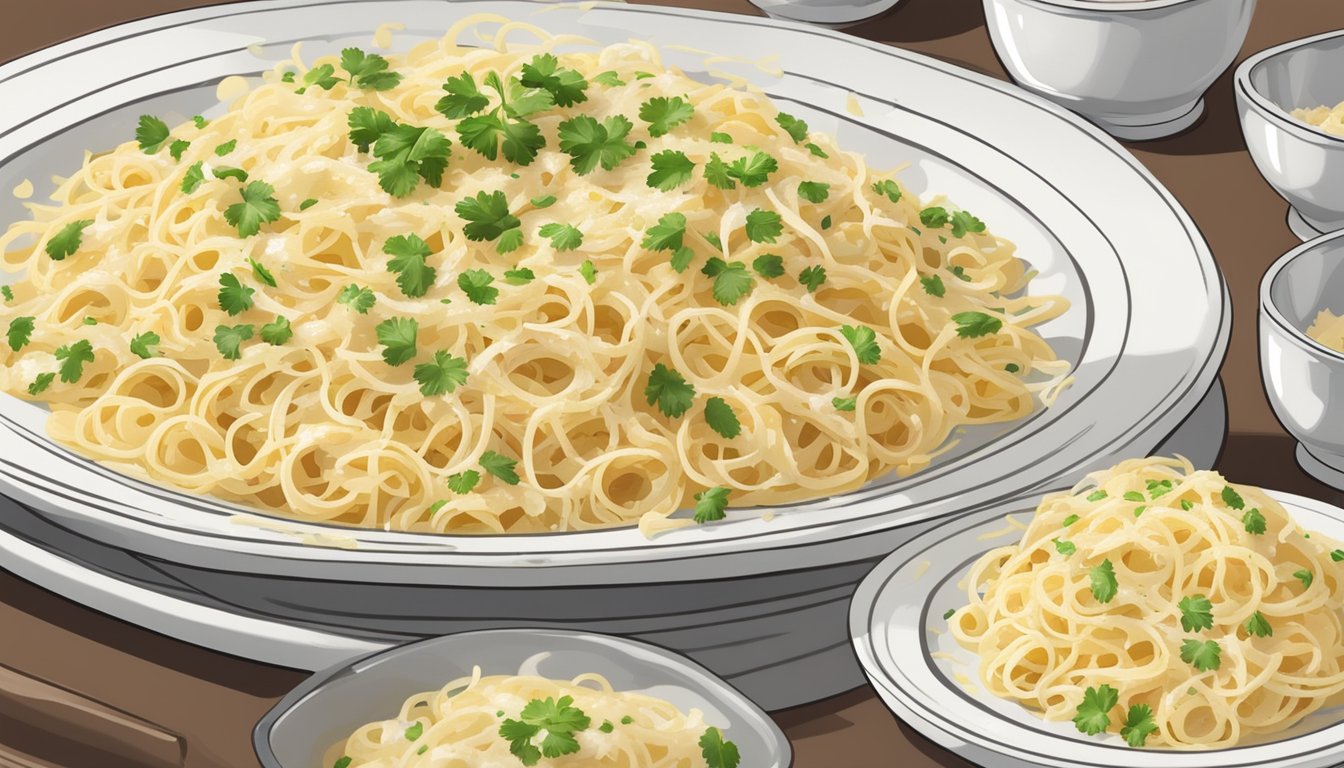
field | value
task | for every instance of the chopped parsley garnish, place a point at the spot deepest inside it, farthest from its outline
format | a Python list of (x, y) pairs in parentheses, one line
[(818, 151), (151, 133), (949, 613), (1065, 548), (397, 336), (501, 466), (1202, 655), (225, 172), (888, 188), (488, 218), (67, 241), (476, 283), (667, 234), (713, 240), (368, 70), (199, 121), (357, 298), (588, 271), (814, 191), (825, 222), (933, 216), (1303, 575), (178, 147), (754, 170), (669, 390), (559, 720), (408, 253), (258, 206), (287, 77), (566, 86), (344, 762), (141, 343), (1187, 505), (864, 341), (717, 137), (797, 129), (590, 143), (671, 169), (764, 226), (1070, 520), (405, 153), (519, 276), (663, 113), (610, 78), (229, 340), (1093, 715), (464, 97), (1253, 521), (717, 752), (1104, 585), (716, 172), (564, 237), (681, 258), (1337, 555), (933, 286), (260, 271), (768, 265), (277, 332), (627, 720), (1138, 725), (844, 403), (41, 383), (960, 272), (963, 222), (1158, 488), (1258, 626), (20, 332), (226, 147), (1196, 613), (464, 481), (521, 139), (444, 374), (193, 178), (812, 277), (972, 325), (1133, 496), (234, 297), (1232, 499), (1012, 367), (710, 504), (732, 281), (323, 76), (721, 418), (644, 75), (543, 202), (7, 293)]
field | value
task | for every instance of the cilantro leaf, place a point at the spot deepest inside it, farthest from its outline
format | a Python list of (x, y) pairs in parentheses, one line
[(818, 151), (1133, 496), (225, 172), (889, 188), (151, 134), (521, 139), (278, 332), (1204, 656), (406, 154), (67, 241), (464, 481), (229, 340), (1065, 548), (444, 374), (141, 343), (543, 202), (323, 76), (199, 121), (717, 752), (713, 240), (1104, 585), (520, 276), (1305, 576), (963, 222), (178, 147), (972, 325), (669, 390), (501, 467), (463, 98), (590, 143), (663, 114), (260, 271), (368, 70), (1071, 519), (258, 206), (226, 148), (193, 178), (710, 504), (20, 332), (814, 191), (721, 418), (732, 281), (565, 85), (754, 170), (933, 286), (610, 78), (764, 226), (768, 265), (933, 216), (1093, 715), (520, 735), (1259, 626), (397, 335), (720, 138), (716, 173), (488, 215), (510, 241), (7, 293), (359, 299), (40, 383), (1196, 613), (797, 129), (1232, 499), (1253, 521), (234, 297), (671, 169), (812, 278), (588, 271), (681, 258), (667, 234), (1158, 488), (408, 253), (844, 403), (564, 237), (476, 283), (1138, 725), (864, 341)]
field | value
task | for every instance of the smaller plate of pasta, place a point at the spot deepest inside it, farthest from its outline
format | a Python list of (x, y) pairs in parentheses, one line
[(519, 697), (1152, 615)]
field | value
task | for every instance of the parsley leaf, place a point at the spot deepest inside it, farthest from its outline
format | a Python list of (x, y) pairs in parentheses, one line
[(933, 216), (933, 286), (225, 172), (20, 332), (1259, 626), (199, 121), (590, 143), (611, 78), (797, 129), (258, 206), (278, 332), (768, 265), (510, 241), (1337, 555), (588, 271), (1253, 521), (178, 147), (488, 215), (732, 281), (864, 341), (407, 154), (1096, 495), (41, 383), (260, 271), (7, 293), (667, 234), (844, 403), (226, 147), (463, 98), (812, 277), (720, 138), (1232, 499), (818, 151), (397, 335), (1196, 613), (1104, 585), (1204, 656), (716, 173), (1093, 715), (671, 169), (500, 466), (520, 276), (565, 85), (444, 374), (564, 237), (464, 481), (1138, 724), (1158, 488), (234, 297), (521, 139), (721, 418), (681, 258), (1305, 576), (408, 254), (543, 202), (1068, 521), (888, 188), (1065, 548), (717, 752), (151, 134), (359, 299), (764, 226), (669, 390), (141, 343), (476, 283), (1133, 496), (814, 191), (368, 70), (229, 340), (323, 77), (193, 178), (963, 222), (972, 325), (754, 170), (663, 113), (67, 241), (710, 504)]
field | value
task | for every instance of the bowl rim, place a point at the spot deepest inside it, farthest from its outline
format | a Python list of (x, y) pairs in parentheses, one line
[(1268, 309), (695, 673), (1245, 89), (1106, 6)]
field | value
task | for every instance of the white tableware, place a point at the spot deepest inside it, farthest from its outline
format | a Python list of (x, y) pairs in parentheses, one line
[(827, 13)]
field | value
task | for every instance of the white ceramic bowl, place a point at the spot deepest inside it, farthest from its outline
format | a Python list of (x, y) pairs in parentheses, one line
[(1138, 69), (1303, 378), (826, 13), (1303, 164)]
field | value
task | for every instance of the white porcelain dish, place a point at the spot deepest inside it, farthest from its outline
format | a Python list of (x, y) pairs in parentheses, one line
[(1147, 334), (1303, 164), (330, 705), (827, 13), (896, 623), (1138, 69), (1303, 378)]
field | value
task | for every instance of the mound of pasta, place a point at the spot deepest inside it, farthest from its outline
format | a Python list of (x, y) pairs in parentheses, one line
[(1163, 604), (498, 290), (504, 720)]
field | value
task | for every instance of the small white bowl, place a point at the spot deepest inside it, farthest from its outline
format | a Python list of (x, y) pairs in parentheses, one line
[(1138, 69), (826, 13), (1303, 164), (1303, 378)]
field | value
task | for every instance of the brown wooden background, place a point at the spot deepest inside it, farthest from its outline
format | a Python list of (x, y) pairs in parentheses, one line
[(212, 700)]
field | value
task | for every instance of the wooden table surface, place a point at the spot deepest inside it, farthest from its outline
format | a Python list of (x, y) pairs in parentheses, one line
[(212, 700)]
